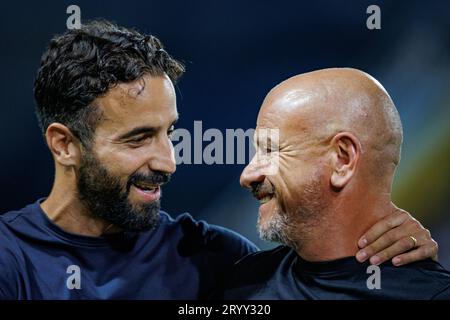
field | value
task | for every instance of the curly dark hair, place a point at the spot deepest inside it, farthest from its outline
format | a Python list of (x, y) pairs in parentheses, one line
[(83, 64)]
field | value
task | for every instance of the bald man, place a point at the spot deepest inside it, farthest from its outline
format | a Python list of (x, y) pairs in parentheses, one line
[(340, 138)]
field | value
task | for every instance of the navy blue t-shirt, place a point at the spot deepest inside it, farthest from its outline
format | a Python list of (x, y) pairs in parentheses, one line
[(180, 259), (281, 274)]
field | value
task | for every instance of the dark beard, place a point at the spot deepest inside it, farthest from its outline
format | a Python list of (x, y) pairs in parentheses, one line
[(107, 198)]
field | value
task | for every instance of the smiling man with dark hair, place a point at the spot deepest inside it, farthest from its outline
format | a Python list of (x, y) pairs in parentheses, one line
[(107, 107)]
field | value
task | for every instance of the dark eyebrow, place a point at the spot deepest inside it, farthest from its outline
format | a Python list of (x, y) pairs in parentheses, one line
[(142, 130)]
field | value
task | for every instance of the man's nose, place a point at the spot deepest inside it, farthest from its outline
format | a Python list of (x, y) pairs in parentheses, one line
[(163, 159), (251, 174)]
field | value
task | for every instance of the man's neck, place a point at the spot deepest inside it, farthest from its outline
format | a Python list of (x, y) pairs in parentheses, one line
[(343, 223), (68, 212)]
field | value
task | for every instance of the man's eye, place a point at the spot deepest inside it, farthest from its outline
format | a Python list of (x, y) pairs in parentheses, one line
[(137, 141), (140, 139), (267, 149)]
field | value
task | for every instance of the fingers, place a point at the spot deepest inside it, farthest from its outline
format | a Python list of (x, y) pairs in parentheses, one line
[(381, 227), (396, 243), (387, 240), (390, 238), (403, 245), (421, 253)]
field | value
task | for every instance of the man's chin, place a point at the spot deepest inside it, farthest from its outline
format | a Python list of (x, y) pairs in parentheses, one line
[(273, 229), (135, 217), (140, 207), (140, 224), (264, 230)]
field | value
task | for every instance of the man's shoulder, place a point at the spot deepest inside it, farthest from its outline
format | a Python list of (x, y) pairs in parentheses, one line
[(21, 222), (261, 264), (197, 234), (10, 260), (426, 268), (9, 221), (443, 294), (10, 217), (427, 279), (251, 272), (272, 257)]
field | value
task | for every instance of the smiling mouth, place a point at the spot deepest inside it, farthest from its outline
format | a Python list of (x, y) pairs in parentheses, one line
[(264, 197), (146, 187)]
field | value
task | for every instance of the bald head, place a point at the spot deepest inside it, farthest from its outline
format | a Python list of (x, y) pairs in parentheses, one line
[(339, 138), (325, 102)]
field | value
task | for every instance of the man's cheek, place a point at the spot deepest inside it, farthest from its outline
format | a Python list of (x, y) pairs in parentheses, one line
[(280, 201), (288, 199)]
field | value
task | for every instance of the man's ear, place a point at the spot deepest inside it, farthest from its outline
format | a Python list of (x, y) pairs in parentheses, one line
[(346, 150), (64, 146)]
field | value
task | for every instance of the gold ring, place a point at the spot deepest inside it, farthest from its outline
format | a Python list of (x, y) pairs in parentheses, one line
[(414, 240)]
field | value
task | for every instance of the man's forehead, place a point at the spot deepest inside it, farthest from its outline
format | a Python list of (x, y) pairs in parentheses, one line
[(130, 90), (123, 94), (147, 102), (292, 116), (290, 95), (133, 97), (275, 114)]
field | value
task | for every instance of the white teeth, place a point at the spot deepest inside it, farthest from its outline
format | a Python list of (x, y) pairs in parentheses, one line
[(145, 188), (265, 199)]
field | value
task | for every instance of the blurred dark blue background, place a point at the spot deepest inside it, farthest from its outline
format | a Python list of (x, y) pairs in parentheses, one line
[(235, 51)]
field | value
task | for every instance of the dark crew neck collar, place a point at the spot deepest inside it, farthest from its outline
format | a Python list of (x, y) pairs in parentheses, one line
[(101, 241), (343, 265)]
